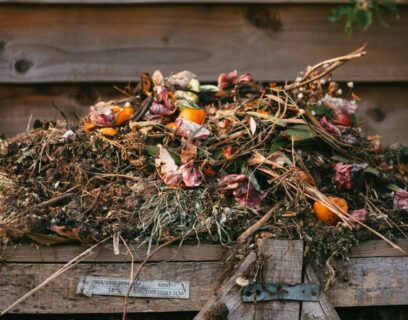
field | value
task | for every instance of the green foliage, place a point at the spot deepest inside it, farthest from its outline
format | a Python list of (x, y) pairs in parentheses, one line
[(362, 12)]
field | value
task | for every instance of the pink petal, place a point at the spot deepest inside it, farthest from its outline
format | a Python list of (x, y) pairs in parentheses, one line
[(189, 129), (246, 77), (227, 80), (343, 175), (330, 127), (173, 179), (243, 191), (161, 109), (101, 115), (360, 215), (156, 118), (339, 105), (192, 176), (163, 96), (401, 199)]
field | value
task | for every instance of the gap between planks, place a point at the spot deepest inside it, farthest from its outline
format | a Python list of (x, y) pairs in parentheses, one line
[(188, 252)]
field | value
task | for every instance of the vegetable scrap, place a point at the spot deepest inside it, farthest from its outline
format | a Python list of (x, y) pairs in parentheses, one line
[(176, 156)]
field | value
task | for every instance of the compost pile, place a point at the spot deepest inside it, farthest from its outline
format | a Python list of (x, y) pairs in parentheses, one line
[(177, 158)]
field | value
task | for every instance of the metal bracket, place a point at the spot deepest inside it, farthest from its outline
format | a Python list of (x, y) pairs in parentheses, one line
[(281, 291)]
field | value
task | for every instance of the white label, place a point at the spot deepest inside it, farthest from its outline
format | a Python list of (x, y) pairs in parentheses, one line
[(104, 286)]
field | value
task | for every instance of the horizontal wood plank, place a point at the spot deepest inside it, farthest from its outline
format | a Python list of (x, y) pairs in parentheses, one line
[(373, 282), (60, 296), (186, 252), (383, 107), (114, 43), (379, 248), (62, 254)]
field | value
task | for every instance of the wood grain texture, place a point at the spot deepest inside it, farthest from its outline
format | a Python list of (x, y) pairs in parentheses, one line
[(321, 310), (378, 248), (284, 261), (383, 109), (187, 252), (114, 43), (228, 294), (62, 254), (60, 297), (373, 281)]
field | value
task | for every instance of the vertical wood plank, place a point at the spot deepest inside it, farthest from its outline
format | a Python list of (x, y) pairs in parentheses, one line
[(321, 310), (283, 265)]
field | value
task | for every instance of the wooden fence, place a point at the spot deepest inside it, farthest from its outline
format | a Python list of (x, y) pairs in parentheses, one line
[(69, 54)]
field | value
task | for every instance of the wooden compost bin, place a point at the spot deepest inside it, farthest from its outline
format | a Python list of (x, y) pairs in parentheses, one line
[(377, 277), (69, 54)]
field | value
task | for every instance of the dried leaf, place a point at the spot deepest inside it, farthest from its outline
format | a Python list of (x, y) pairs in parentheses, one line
[(188, 153), (252, 125)]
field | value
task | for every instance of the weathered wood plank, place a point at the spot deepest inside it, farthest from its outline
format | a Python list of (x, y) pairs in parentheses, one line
[(384, 111), (201, 252), (321, 310), (373, 281), (60, 296), (228, 295), (62, 254), (284, 261), (19, 103), (273, 42), (378, 248), (383, 106)]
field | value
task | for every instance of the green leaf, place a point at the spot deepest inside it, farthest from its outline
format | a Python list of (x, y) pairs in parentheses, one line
[(299, 133), (320, 110), (208, 88), (351, 19), (338, 12), (184, 103), (372, 171), (366, 19), (277, 143), (392, 187), (152, 150)]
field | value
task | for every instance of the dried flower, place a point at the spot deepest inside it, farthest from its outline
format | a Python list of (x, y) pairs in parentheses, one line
[(180, 80), (246, 77), (244, 192), (192, 176), (360, 215), (102, 115), (343, 175), (228, 80), (157, 78), (401, 199), (339, 105), (189, 129), (330, 127)]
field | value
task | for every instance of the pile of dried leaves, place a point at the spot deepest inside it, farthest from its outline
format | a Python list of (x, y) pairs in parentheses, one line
[(176, 158)]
